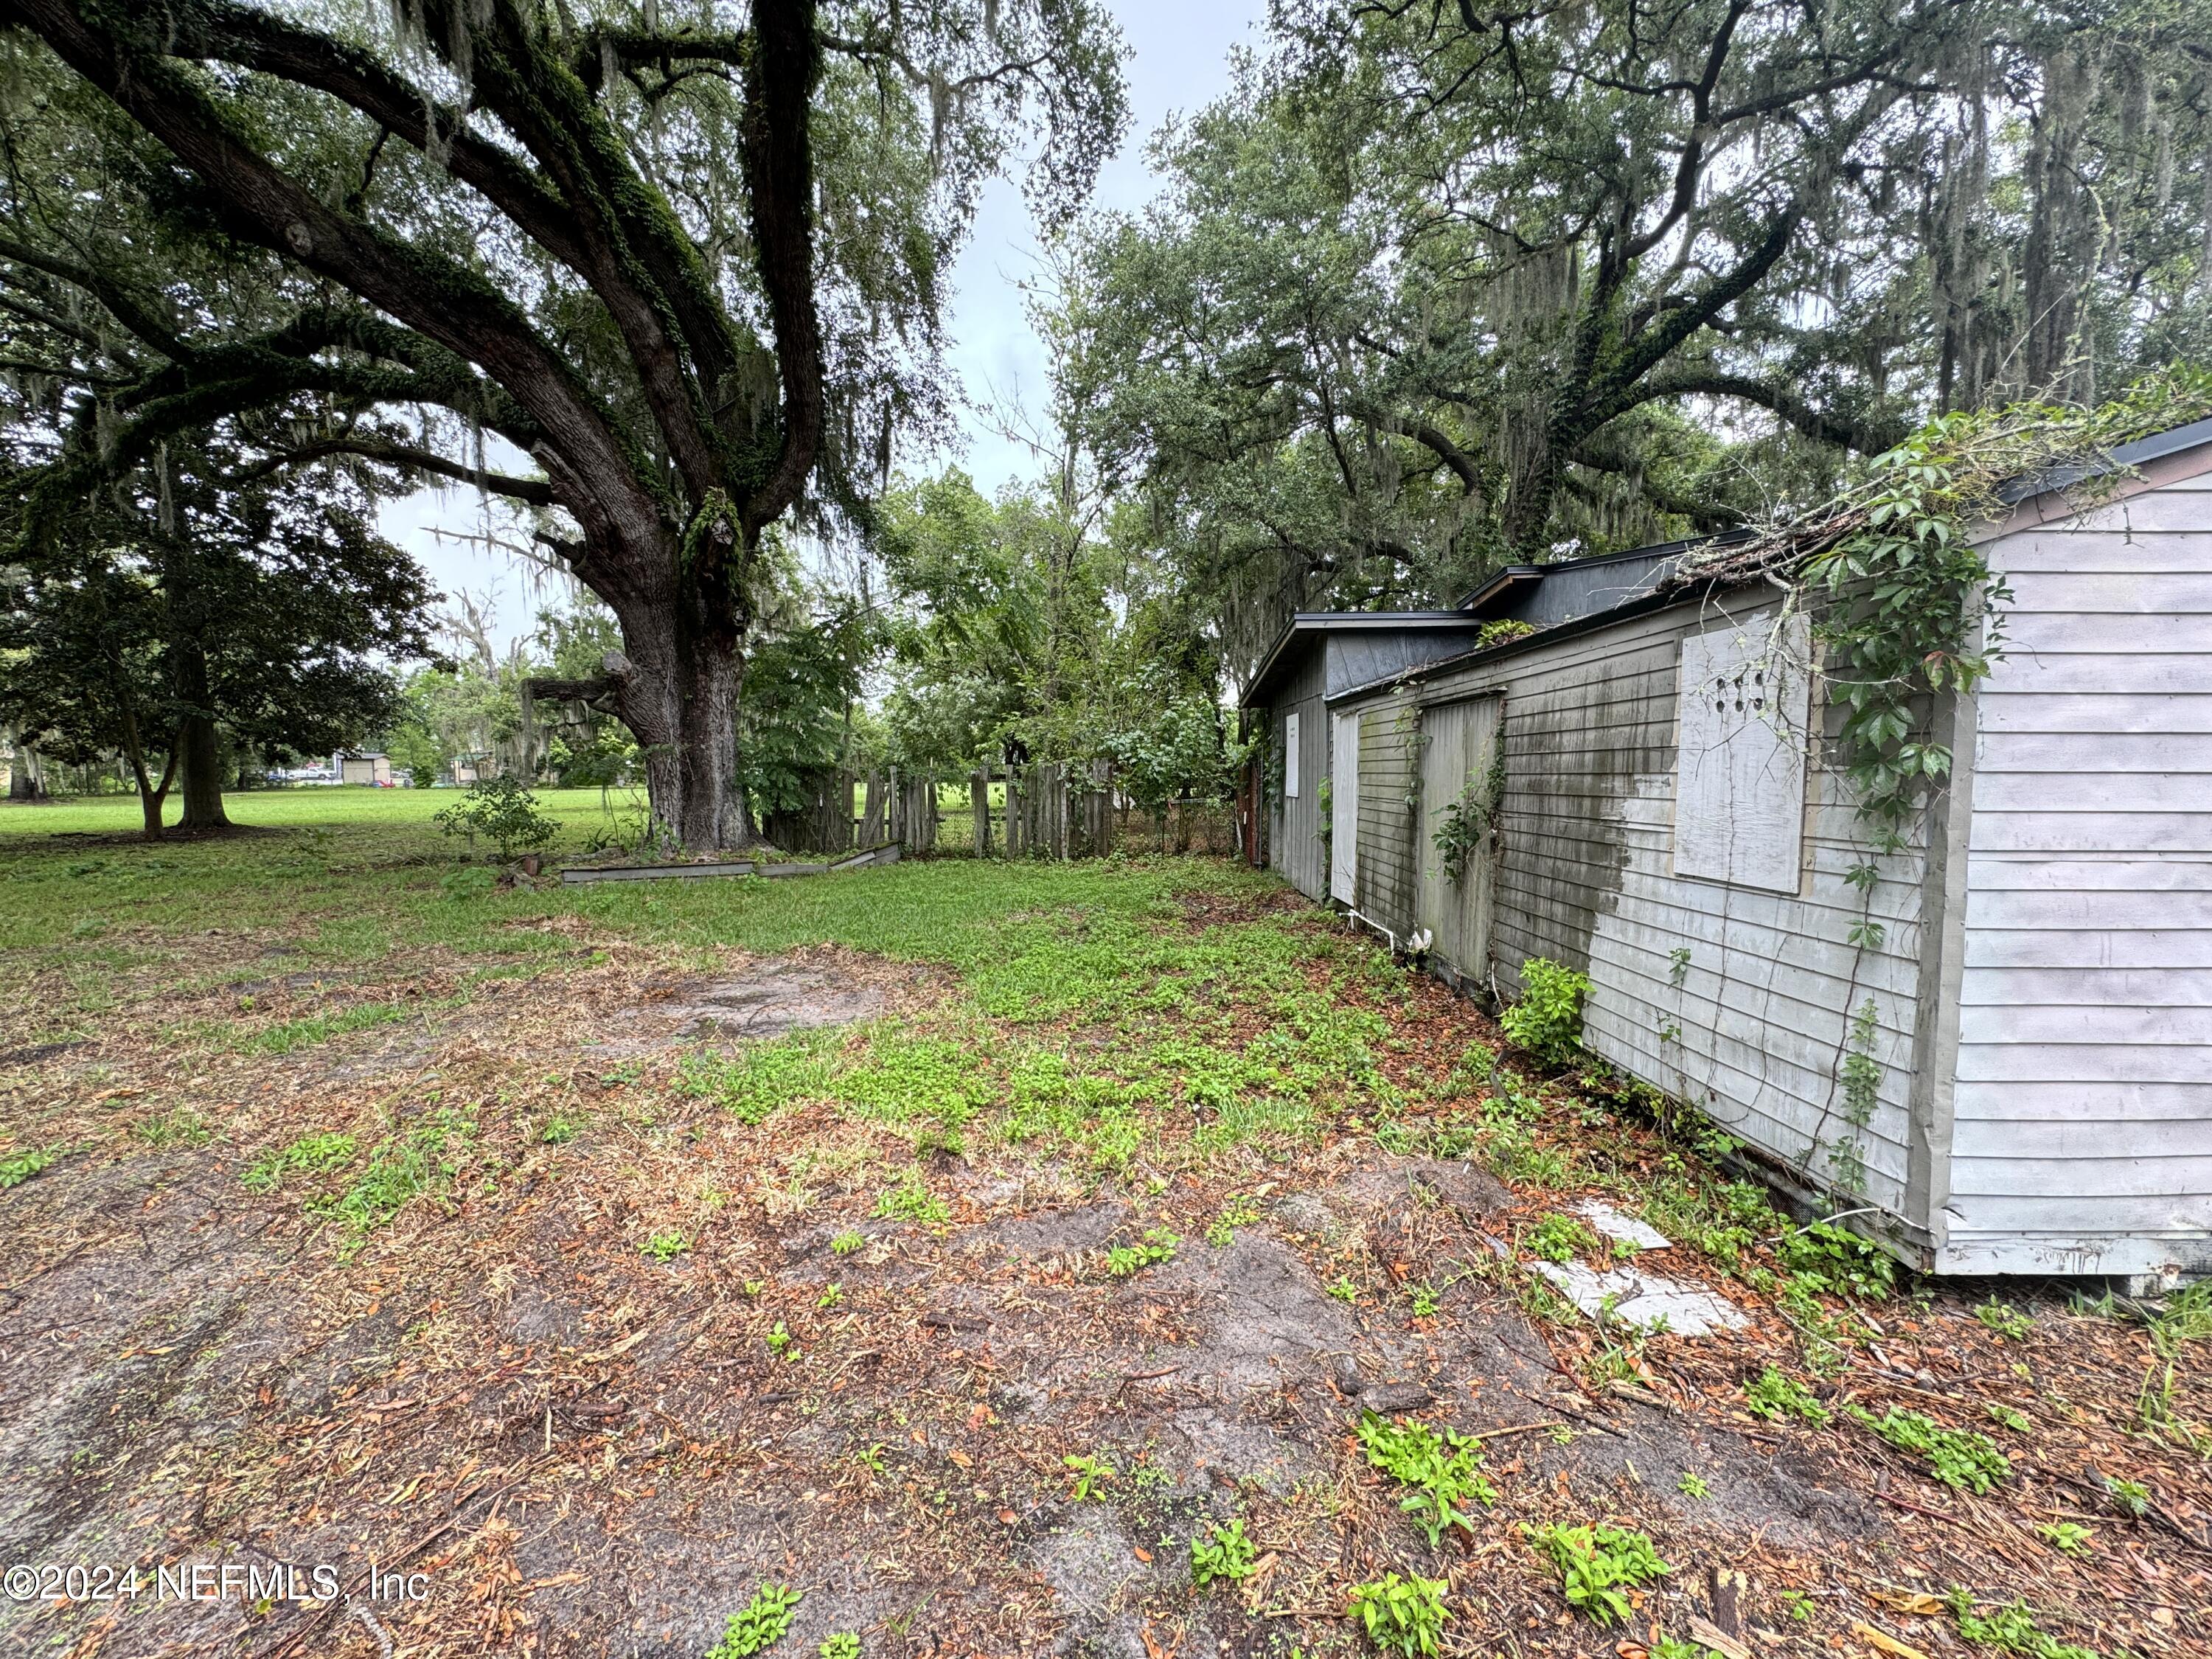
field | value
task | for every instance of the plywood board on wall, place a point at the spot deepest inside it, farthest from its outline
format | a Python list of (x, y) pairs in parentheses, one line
[(1744, 693)]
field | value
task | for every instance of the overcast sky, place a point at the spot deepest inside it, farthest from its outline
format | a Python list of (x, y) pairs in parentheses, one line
[(1179, 62)]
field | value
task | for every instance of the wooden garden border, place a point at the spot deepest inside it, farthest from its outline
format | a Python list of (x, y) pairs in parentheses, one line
[(582, 876)]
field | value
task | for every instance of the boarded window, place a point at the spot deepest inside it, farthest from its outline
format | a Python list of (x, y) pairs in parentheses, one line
[(1739, 770), (1290, 757)]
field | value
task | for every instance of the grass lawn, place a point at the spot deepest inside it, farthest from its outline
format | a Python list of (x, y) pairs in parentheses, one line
[(1114, 1257)]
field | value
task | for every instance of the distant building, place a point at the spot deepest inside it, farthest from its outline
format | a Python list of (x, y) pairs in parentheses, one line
[(374, 769)]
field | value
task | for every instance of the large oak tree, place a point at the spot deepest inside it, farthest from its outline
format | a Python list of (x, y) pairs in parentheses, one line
[(694, 271)]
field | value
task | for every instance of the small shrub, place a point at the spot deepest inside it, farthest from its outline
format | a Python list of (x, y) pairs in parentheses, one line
[(1443, 1470), (1402, 1615), (1958, 1458), (763, 1621), (1597, 1565), (1222, 1552), (1547, 1021), (1773, 1396), (504, 812)]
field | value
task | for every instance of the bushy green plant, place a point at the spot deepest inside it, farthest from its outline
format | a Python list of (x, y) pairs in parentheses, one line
[(760, 1077), (310, 1154), (763, 1621), (844, 1644), (1158, 1245), (1402, 1615), (1558, 1238), (1089, 1473), (15, 1171), (1959, 1458), (912, 1201), (1222, 1552), (1443, 1469), (1843, 1262), (1773, 1396), (2011, 1630), (1598, 1564), (1547, 1021), (504, 812)]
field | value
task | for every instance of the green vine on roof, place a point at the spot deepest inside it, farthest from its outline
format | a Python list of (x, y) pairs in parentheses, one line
[(1914, 607)]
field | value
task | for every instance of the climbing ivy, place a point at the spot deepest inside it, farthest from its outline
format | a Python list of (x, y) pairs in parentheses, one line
[(1908, 594), (1464, 824)]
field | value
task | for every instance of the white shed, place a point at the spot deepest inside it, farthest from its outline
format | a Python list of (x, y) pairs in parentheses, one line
[(2001, 1052)]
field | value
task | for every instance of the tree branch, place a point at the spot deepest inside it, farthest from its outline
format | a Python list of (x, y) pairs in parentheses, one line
[(537, 492), (779, 169), (440, 298), (1867, 438)]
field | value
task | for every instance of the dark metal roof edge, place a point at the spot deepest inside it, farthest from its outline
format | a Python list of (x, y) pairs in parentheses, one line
[(1499, 580), (1565, 630), (1325, 622), (2156, 447), (1653, 550)]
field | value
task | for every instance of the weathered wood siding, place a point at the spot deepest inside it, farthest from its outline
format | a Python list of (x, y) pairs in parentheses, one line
[(1296, 847), (2081, 1111), (1739, 1000), (1388, 772)]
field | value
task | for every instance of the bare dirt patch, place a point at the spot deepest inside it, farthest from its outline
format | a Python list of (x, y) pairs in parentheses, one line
[(624, 1357)]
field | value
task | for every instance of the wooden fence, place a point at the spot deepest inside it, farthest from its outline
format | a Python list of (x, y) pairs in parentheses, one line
[(1045, 809)]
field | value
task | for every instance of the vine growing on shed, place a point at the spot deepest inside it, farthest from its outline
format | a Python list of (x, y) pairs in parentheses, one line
[(1914, 607), (1466, 823)]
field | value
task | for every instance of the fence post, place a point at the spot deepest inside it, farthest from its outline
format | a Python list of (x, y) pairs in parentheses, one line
[(872, 812), (979, 803)]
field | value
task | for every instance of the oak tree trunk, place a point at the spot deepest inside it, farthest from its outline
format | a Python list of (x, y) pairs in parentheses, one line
[(680, 702), (199, 768), (199, 752)]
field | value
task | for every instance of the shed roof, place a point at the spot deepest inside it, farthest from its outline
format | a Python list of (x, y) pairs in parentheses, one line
[(1515, 588), (1308, 626)]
